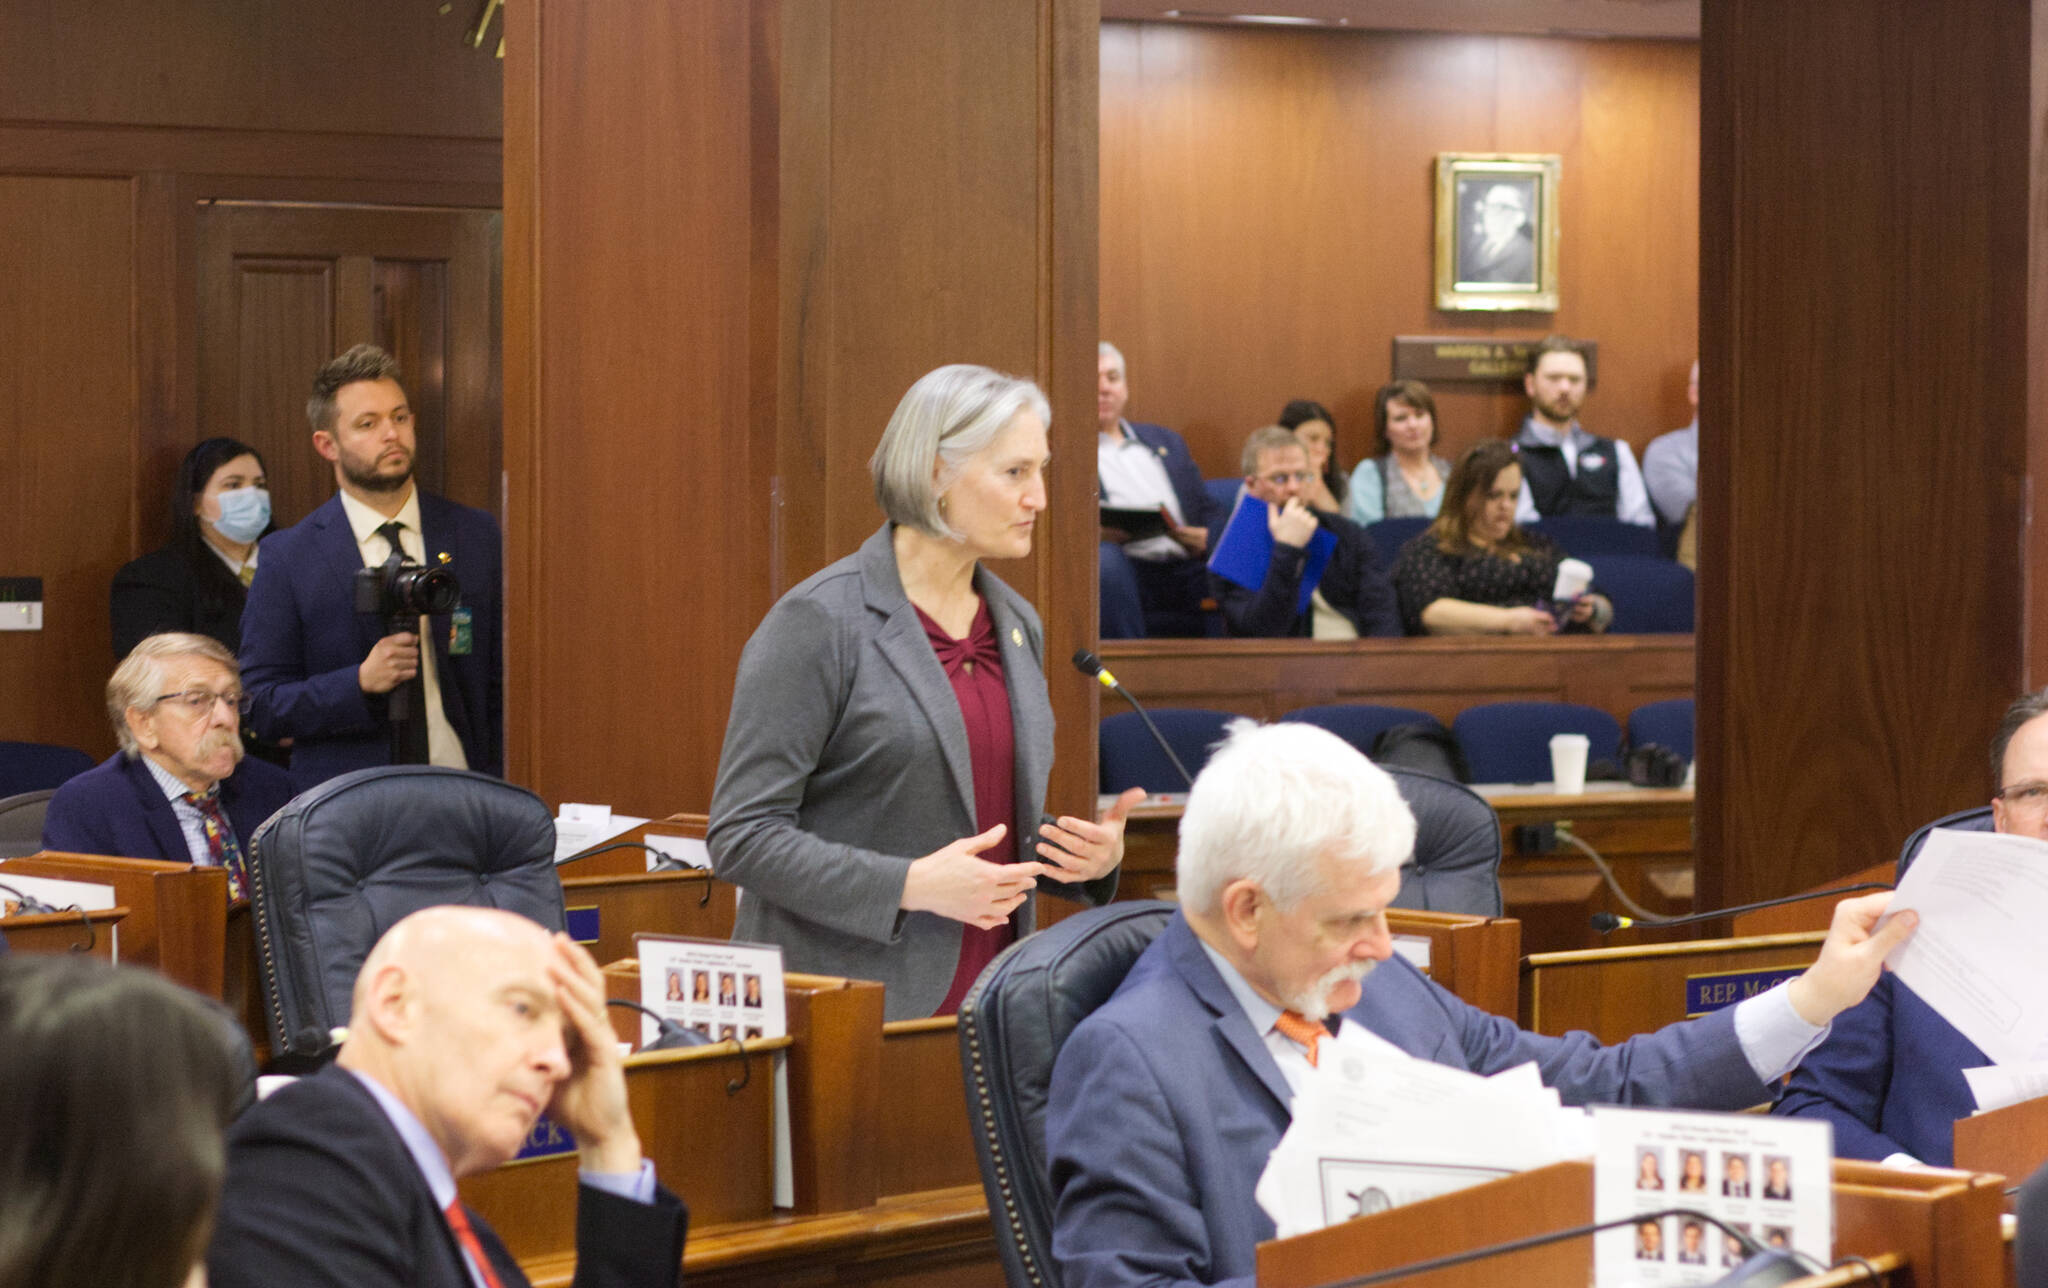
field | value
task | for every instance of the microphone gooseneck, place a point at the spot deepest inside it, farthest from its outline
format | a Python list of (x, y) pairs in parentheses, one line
[(1091, 666), (1604, 922)]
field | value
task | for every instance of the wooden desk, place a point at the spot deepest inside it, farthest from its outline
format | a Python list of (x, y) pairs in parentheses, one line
[(1644, 833), (709, 1142), (63, 932), (618, 893), (1812, 915), (1441, 675), (1616, 993), (177, 918), (1940, 1228)]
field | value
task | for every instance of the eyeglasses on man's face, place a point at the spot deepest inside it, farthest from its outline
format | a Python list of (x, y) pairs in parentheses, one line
[(199, 702)]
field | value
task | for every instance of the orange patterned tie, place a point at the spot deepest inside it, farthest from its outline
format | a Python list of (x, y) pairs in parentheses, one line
[(458, 1221), (1298, 1028)]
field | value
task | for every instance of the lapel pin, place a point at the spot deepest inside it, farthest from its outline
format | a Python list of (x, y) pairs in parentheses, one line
[(1016, 637), (445, 557)]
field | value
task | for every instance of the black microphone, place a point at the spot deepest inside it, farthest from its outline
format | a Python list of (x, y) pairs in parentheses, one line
[(30, 905), (1604, 922), (1091, 666), (669, 1035), (1763, 1267)]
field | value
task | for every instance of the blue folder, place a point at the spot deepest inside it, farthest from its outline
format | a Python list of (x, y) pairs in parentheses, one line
[(1245, 551)]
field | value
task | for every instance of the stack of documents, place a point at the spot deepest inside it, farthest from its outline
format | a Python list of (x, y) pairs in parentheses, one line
[(1375, 1128)]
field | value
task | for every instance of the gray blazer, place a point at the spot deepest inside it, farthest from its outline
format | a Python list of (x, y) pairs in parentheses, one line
[(846, 758)]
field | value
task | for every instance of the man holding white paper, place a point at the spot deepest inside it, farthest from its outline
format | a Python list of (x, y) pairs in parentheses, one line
[(1892, 1075), (1166, 1102)]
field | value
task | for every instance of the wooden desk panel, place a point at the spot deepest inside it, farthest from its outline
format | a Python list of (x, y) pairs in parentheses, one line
[(1440, 675), (1813, 914), (1474, 957), (712, 1146), (1616, 993), (63, 932), (923, 1137), (662, 903), (176, 910), (936, 1239)]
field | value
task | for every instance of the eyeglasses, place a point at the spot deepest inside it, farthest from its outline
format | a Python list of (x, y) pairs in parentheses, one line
[(2030, 797), (199, 702), (1282, 478)]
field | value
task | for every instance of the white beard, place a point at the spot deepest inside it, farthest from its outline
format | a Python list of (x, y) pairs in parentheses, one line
[(1313, 1002)]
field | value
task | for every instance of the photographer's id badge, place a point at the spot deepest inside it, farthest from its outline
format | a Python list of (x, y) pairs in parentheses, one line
[(461, 632)]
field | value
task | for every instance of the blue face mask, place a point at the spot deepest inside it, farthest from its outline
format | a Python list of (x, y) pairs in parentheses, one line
[(244, 514)]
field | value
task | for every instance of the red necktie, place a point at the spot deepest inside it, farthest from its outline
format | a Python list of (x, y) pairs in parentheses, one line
[(458, 1221), (1298, 1028), (220, 840)]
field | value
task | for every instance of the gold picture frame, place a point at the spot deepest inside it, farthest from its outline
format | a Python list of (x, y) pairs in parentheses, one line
[(1496, 231)]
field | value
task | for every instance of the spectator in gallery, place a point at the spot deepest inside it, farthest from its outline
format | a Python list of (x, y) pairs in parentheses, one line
[(1671, 472), (1316, 429), (1352, 598), (1567, 469), (1153, 585), (1497, 243), (1404, 478), (1475, 571)]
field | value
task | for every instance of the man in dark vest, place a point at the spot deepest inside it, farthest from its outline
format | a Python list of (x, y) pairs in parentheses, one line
[(1566, 470)]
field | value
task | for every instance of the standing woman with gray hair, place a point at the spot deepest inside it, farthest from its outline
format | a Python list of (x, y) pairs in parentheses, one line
[(891, 736)]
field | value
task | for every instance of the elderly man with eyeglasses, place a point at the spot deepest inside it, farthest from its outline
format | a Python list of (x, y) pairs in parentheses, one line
[(178, 789), (1350, 593), (1890, 1076)]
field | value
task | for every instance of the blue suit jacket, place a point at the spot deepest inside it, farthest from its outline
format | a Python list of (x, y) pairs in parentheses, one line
[(1889, 1077), (1195, 506), (302, 641), (1165, 1105), (117, 808)]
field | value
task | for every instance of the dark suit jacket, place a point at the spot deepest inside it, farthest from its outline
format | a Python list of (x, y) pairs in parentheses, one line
[(1195, 506), (1354, 582), (1889, 1077), (1165, 1105), (117, 808), (302, 641), (321, 1193), (177, 588)]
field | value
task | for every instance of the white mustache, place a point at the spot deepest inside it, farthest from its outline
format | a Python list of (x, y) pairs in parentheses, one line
[(1314, 1001)]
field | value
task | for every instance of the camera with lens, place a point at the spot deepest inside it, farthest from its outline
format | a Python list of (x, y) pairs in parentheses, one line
[(403, 592)]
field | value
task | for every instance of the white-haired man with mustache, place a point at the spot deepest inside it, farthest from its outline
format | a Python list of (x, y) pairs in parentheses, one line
[(1166, 1102), (178, 789)]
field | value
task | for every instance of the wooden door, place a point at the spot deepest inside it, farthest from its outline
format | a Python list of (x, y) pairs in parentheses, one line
[(284, 286)]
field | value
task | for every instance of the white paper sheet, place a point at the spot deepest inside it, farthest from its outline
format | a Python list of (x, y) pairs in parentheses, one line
[(1996, 1086), (1979, 952)]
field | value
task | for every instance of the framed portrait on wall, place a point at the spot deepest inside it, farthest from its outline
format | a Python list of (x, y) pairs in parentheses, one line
[(1496, 231)]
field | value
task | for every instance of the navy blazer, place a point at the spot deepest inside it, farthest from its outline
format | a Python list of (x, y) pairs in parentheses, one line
[(1165, 1105), (1197, 510), (322, 1193), (302, 641), (1889, 1077), (117, 808)]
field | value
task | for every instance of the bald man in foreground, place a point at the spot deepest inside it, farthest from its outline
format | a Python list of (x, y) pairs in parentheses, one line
[(466, 1023)]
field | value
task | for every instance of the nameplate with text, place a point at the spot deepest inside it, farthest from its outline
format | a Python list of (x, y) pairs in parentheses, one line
[(1704, 993), (1446, 359)]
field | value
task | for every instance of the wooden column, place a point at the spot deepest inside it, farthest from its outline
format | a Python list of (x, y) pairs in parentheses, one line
[(735, 234), (1868, 322)]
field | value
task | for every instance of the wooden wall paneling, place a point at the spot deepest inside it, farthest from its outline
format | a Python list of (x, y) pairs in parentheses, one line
[(837, 239), (250, 64), (284, 287), (1267, 218), (629, 212), (68, 392), (1865, 424)]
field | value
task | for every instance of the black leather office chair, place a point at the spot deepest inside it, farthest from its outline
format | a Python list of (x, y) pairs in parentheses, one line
[(1012, 1025), (345, 861), (1457, 847), (21, 822), (1964, 820), (2030, 1247)]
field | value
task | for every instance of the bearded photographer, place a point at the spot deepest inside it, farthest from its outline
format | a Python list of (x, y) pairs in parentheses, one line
[(332, 636)]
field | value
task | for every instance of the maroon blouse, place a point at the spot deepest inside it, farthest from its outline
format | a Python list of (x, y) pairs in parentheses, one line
[(975, 666)]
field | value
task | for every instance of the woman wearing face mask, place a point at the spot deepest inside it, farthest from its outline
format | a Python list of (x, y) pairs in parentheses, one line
[(199, 581)]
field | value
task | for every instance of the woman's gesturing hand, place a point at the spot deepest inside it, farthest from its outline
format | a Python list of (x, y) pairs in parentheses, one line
[(957, 882)]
